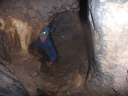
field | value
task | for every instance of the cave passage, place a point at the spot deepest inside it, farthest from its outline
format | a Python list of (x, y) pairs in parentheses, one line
[(71, 45)]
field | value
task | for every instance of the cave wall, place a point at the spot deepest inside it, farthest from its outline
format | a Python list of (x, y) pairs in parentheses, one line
[(109, 27), (27, 18), (22, 21)]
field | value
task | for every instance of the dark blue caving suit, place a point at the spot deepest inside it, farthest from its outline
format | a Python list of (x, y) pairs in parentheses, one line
[(47, 45)]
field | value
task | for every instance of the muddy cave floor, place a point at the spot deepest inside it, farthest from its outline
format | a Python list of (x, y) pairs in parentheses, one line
[(65, 77)]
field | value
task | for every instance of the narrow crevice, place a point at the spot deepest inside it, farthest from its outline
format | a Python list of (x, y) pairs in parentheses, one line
[(84, 14)]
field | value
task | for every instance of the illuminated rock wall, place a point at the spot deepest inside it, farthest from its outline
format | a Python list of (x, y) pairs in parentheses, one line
[(109, 20)]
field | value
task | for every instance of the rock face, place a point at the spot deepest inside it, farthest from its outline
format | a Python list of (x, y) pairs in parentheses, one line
[(109, 26), (28, 17), (20, 23), (9, 85)]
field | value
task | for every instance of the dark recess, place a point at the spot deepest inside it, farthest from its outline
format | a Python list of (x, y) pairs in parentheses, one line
[(83, 14), (83, 10)]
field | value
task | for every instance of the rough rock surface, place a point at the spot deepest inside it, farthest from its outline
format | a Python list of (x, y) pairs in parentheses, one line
[(22, 20), (27, 18), (9, 85), (110, 25)]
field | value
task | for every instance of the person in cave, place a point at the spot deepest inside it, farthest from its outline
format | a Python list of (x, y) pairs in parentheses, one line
[(46, 44)]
